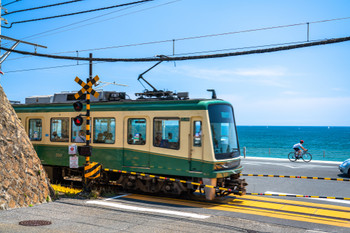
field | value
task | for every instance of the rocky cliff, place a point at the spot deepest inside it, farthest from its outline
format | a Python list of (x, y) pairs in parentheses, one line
[(23, 180)]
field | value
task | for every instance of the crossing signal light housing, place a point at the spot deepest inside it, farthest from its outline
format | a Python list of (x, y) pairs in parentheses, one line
[(78, 106), (78, 120)]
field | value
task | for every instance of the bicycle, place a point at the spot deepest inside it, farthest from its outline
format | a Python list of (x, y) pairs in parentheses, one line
[(306, 156)]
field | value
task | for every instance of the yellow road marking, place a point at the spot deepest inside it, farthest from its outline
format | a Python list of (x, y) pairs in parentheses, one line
[(260, 198), (269, 207)]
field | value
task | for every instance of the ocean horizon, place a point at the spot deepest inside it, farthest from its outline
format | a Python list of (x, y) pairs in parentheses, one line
[(327, 143)]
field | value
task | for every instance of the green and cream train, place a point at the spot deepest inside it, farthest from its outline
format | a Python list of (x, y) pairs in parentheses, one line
[(191, 139)]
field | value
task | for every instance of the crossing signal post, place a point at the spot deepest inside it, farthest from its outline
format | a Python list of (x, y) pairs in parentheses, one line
[(78, 106), (91, 169)]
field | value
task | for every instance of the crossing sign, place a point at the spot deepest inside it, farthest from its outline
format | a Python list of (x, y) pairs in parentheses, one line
[(87, 87)]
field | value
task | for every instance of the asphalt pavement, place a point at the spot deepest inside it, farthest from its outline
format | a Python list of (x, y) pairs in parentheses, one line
[(144, 213)]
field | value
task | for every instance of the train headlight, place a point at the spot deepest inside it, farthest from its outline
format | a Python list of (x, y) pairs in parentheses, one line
[(227, 165)]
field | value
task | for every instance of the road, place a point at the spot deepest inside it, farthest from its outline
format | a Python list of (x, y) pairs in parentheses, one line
[(249, 213), (296, 186)]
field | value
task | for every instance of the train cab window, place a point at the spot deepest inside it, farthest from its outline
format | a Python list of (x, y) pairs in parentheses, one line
[(197, 133), (166, 133), (78, 132), (59, 130), (35, 129), (137, 131), (104, 130)]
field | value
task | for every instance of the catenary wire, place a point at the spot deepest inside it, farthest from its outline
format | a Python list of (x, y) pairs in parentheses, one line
[(75, 13), (204, 36), (70, 65), (41, 7), (183, 58), (200, 52)]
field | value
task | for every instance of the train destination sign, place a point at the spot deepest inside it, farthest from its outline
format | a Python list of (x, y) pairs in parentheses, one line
[(87, 87)]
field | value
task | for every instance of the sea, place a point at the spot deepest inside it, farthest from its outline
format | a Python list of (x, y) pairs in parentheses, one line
[(325, 143)]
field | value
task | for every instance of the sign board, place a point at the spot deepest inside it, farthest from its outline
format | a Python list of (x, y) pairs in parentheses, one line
[(72, 149), (73, 161)]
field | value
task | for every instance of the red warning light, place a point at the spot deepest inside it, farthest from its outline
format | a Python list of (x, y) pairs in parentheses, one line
[(78, 106), (78, 120)]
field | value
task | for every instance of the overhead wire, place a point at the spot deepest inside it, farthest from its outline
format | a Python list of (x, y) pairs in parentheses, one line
[(41, 7), (55, 29), (11, 2), (200, 36), (70, 65), (182, 58), (85, 20), (210, 35), (129, 13), (75, 13)]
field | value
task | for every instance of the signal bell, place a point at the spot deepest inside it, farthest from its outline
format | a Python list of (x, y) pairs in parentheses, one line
[(78, 106), (78, 120)]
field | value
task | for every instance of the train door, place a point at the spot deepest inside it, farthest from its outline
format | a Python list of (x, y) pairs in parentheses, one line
[(196, 144), (35, 131), (137, 140)]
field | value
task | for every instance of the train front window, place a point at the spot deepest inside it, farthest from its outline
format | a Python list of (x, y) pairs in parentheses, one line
[(223, 129)]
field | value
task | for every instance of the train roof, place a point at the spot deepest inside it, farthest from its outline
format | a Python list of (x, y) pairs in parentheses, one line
[(114, 101)]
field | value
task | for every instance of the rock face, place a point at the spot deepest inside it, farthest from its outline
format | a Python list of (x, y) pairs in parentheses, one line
[(23, 180)]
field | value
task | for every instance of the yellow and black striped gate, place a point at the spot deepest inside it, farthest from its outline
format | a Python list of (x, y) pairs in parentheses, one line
[(92, 170)]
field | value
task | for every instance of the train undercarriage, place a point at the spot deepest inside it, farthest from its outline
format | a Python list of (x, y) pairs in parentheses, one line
[(153, 185)]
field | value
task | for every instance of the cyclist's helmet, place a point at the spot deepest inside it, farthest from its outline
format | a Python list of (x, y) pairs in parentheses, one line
[(301, 141)]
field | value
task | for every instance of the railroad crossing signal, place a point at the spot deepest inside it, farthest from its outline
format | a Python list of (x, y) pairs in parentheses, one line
[(87, 87)]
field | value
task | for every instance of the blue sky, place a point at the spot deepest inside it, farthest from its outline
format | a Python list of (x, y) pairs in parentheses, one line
[(302, 87)]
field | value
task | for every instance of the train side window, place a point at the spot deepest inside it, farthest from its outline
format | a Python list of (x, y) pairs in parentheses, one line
[(137, 131), (166, 133), (197, 133), (59, 130), (104, 130), (78, 132), (35, 129)]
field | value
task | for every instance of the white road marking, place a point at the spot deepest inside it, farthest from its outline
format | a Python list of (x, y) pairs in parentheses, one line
[(321, 199), (116, 197), (293, 165), (142, 209)]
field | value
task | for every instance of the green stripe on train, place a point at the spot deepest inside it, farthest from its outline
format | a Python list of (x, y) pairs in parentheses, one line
[(132, 160)]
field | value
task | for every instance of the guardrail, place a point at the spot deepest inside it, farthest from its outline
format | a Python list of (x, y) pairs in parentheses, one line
[(298, 177)]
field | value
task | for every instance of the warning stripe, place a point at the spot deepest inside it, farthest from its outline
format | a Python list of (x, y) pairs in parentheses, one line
[(298, 177), (223, 189), (92, 170)]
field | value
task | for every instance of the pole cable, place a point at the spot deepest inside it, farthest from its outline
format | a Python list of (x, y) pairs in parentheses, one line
[(41, 7), (75, 13)]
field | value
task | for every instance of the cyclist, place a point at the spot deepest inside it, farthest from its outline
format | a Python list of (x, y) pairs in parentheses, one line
[(297, 147)]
